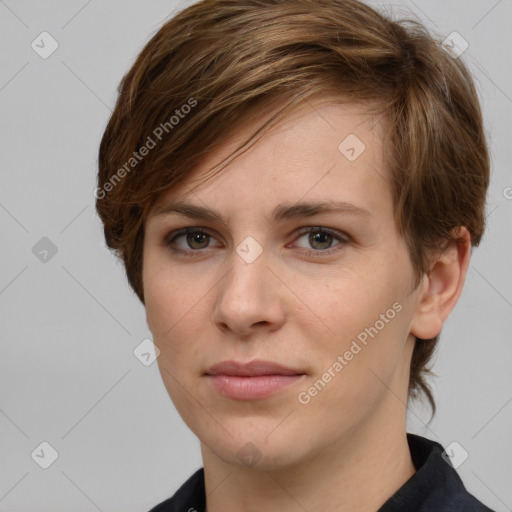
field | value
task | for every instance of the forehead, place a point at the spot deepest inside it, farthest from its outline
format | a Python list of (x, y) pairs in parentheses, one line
[(317, 150)]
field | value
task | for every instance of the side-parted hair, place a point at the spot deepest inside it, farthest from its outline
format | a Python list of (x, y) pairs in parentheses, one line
[(218, 63)]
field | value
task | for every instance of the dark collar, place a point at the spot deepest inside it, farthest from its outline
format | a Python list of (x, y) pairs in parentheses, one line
[(435, 487)]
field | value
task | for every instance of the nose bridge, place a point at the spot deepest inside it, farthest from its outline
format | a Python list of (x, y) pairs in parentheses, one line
[(245, 297), (244, 281)]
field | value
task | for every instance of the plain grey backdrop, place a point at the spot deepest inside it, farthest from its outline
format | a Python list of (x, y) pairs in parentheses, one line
[(69, 322)]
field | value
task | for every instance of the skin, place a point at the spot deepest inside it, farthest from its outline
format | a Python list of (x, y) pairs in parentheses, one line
[(346, 449)]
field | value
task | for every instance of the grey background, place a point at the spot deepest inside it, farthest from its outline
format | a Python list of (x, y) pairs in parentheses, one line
[(69, 325)]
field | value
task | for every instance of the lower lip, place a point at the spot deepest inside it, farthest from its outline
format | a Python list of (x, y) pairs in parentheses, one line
[(251, 388)]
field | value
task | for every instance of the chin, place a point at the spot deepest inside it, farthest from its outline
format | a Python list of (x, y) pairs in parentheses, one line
[(261, 449)]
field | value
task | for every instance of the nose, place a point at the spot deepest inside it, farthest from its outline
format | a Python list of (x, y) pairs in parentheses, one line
[(249, 299)]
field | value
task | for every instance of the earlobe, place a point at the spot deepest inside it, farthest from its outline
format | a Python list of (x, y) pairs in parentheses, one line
[(442, 286)]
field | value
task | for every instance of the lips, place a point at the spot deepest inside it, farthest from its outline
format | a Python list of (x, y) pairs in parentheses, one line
[(252, 369), (251, 381)]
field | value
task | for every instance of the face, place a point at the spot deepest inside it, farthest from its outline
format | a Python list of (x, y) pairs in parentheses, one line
[(279, 292)]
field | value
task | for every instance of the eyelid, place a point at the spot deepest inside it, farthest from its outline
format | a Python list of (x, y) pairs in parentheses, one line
[(184, 231), (171, 237), (342, 238)]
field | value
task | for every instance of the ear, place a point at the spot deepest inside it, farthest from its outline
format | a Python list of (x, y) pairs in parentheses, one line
[(442, 286)]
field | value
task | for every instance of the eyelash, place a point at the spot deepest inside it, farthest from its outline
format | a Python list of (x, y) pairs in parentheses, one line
[(341, 238)]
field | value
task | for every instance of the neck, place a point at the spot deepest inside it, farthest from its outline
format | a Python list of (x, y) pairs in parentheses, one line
[(359, 472)]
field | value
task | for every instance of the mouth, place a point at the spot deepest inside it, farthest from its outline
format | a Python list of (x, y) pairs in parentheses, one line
[(251, 381)]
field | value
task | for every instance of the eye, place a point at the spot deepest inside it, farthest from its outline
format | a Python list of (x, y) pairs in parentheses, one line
[(320, 239), (189, 239), (197, 240), (316, 240)]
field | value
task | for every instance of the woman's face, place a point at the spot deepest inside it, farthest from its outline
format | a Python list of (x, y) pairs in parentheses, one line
[(291, 258)]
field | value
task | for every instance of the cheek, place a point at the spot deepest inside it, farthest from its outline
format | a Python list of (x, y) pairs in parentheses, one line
[(364, 319), (355, 372), (169, 296), (172, 309), (176, 307), (344, 302)]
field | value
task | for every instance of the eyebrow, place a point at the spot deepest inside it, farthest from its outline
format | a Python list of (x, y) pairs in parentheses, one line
[(280, 212)]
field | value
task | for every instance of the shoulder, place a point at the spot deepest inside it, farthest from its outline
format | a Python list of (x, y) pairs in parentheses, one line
[(190, 497), (436, 485), (461, 501)]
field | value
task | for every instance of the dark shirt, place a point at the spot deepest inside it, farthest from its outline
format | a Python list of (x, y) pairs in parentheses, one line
[(435, 487)]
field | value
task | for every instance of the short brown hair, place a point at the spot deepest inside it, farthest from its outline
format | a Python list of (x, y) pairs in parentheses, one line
[(227, 60)]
